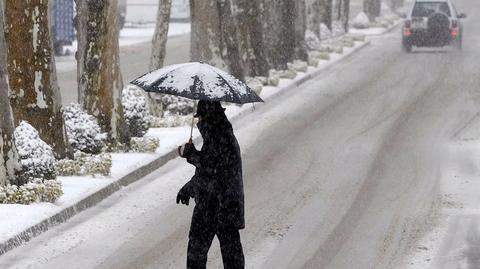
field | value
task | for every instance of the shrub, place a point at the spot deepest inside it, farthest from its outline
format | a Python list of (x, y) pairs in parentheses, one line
[(136, 111), (83, 131), (36, 157), (35, 191), (144, 144), (177, 105), (85, 164)]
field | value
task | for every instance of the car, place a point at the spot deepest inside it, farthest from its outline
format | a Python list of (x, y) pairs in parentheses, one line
[(432, 23)]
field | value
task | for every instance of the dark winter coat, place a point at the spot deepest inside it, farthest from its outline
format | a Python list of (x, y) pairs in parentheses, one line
[(218, 184)]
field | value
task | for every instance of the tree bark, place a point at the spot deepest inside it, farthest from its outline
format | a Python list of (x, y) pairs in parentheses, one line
[(251, 41), (159, 43), (300, 29), (100, 79), (214, 37), (9, 159), (314, 16), (327, 18), (345, 14), (372, 8), (287, 44), (35, 96)]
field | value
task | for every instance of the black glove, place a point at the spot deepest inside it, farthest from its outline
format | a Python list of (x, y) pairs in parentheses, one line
[(184, 194), (188, 149)]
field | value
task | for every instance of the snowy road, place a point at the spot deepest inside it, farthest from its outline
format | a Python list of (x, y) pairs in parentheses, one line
[(343, 172)]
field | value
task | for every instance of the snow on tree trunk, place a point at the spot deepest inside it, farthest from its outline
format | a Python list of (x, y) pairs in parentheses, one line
[(214, 36), (314, 16), (35, 96), (100, 79), (300, 29), (9, 162), (251, 41), (159, 43)]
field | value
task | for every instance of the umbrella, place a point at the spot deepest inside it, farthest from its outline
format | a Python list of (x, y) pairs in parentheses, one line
[(197, 81)]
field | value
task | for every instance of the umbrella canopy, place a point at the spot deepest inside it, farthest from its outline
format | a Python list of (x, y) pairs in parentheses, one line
[(198, 81)]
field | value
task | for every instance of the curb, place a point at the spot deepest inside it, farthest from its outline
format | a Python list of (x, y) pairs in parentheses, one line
[(144, 170)]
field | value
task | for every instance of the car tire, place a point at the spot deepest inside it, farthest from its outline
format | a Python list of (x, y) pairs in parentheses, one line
[(439, 28)]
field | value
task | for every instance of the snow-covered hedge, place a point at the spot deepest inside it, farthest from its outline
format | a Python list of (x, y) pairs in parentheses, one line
[(85, 164), (144, 144), (35, 191), (177, 105), (36, 157), (135, 109), (83, 131), (361, 21), (170, 120)]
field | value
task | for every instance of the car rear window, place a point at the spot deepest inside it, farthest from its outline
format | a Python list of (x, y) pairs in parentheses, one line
[(425, 9)]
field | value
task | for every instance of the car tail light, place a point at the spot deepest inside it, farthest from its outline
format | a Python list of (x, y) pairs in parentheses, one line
[(454, 30), (407, 31)]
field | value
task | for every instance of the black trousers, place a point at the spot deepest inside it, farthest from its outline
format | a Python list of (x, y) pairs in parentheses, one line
[(203, 229)]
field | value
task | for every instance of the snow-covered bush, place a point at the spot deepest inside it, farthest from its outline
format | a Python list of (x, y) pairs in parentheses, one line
[(288, 74), (298, 66), (314, 57), (255, 84), (171, 120), (83, 131), (325, 33), (312, 41), (357, 37), (36, 157), (177, 105), (85, 164), (144, 144), (136, 111), (361, 21), (337, 28), (35, 191)]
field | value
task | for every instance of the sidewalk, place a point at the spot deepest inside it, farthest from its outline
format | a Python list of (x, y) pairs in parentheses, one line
[(20, 223)]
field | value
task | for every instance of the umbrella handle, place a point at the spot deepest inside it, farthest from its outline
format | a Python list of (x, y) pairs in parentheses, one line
[(193, 121)]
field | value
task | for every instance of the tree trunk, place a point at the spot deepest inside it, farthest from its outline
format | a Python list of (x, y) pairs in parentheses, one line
[(100, 79), (271, 14), (35, 96), (159, 43), (345, 14), (327, 17), (8, 152), (372, 8), (314, 15), (251, 41), (300, 29), (214, 36), (287, 44)]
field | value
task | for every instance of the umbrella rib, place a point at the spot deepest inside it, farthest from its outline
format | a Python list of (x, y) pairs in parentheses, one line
[(224, 80)]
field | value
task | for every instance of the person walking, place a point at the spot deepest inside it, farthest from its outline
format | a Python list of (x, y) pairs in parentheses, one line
[(217, 187)]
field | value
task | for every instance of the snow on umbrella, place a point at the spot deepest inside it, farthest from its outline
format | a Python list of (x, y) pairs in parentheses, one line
[(198, 81)]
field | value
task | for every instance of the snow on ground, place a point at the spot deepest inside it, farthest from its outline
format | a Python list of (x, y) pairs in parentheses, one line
[(128, 37), (454, 242), (17, 218)]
